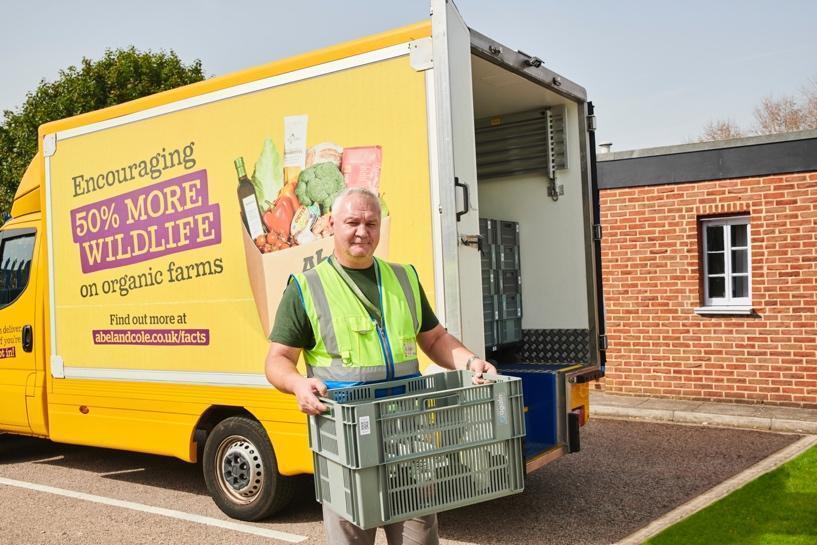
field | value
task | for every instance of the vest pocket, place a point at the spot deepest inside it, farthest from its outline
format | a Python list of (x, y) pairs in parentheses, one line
[(363, 340)]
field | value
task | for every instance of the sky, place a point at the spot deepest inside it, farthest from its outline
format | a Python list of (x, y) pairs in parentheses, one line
[(657, 71)]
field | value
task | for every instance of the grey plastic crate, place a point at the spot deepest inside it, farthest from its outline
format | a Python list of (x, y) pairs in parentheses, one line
[(507, 257), (491, 338), (510, 282), (489, 258), (510, 306), (490, 283), (509, 331), (488, 230), (508, 233), (398, 491), (490, 307), (402, 419)]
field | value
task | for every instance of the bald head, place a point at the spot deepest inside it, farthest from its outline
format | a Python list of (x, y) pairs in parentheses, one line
[(360, 192)]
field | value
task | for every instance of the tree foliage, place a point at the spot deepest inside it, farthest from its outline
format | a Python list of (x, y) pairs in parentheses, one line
[(119, 76), (779, 115), (723, 129), (771, 116), (810, 104)]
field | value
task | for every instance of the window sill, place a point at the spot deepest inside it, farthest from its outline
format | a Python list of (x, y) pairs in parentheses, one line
[(733, 310)]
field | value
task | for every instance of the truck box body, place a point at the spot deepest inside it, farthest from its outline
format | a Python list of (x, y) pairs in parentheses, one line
[(168, 259), (137, 305)]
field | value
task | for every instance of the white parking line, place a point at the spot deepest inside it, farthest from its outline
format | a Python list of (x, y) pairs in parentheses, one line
[(209, 521)]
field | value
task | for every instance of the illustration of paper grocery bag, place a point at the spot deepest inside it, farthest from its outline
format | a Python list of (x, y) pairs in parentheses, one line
[(269, 273)]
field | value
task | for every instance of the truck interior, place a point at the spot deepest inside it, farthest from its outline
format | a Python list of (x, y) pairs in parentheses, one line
[(537, 270)]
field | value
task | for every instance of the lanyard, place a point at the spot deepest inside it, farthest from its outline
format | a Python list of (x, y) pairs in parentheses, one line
[(371, 308)]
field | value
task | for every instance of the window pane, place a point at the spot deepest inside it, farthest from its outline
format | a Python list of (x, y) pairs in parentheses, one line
[(739, 236), (15, 264), (740, 286), (715, 263), (740, 261), (714, 238), (717, 285)]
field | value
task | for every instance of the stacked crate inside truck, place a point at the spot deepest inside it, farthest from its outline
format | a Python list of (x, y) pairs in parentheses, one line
[(501, 283)]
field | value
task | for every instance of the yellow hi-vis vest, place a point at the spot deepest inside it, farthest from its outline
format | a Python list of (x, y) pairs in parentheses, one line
[(350, 346)]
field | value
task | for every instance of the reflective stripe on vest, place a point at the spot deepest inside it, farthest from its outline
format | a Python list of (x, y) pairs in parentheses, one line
[(348, 346)]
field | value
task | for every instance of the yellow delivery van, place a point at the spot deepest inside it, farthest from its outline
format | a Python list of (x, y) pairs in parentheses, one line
[(150, 243)]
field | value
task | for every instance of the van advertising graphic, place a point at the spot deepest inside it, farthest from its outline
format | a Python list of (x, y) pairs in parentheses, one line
[(164, 218), (178, 232), (10, 337)]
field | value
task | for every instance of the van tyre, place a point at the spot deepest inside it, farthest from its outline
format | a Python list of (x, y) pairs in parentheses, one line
[(241, 471)]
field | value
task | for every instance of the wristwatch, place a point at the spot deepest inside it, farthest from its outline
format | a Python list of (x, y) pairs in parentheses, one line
[(469, 360)]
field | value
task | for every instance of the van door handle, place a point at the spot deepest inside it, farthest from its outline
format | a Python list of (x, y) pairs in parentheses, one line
[(465, 198), (28, 338)]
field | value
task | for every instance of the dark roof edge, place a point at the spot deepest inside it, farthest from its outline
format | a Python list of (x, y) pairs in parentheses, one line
[(786, 153), (704, 146)]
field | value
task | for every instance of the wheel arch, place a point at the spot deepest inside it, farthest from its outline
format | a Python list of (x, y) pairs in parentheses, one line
[(288, 438), (208, 420)]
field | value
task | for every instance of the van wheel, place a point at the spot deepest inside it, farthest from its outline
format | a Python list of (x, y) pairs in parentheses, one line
[(241, 471)]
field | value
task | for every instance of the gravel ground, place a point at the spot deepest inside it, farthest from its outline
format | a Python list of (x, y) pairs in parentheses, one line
[(627, 474)]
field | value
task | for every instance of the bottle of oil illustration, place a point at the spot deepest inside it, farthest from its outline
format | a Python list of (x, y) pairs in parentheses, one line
[(250, 212)]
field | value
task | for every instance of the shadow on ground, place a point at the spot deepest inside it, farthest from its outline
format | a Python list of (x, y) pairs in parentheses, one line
[(626, 475), (142, 469)]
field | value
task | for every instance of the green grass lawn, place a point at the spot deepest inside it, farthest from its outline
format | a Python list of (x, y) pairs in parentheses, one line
[(779, 508)]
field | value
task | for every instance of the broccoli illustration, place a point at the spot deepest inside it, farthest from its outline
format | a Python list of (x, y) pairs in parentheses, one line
[(320, 184)]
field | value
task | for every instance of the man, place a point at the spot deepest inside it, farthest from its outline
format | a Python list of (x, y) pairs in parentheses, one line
[(359, 319)]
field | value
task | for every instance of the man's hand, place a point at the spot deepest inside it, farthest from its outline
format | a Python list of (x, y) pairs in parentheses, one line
[(479, 367), (305, 390), (282, 372), (449, 353)]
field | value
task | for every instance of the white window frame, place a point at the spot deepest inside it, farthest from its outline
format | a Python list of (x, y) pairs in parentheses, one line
[(726, 304)]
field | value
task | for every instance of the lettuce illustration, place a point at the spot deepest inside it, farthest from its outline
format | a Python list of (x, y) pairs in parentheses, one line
[(268, 177)]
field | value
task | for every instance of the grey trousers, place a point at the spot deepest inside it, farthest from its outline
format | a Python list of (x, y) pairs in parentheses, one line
[(419, 531)]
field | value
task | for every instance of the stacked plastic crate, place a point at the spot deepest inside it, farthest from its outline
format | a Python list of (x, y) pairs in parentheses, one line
[(390, 451), (501, 282)]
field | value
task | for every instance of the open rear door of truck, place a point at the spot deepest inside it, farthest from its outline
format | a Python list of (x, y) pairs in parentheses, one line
[(454, 173), (513, 165)]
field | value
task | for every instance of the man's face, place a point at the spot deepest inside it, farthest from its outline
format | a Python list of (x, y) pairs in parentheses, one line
[(357, 229)]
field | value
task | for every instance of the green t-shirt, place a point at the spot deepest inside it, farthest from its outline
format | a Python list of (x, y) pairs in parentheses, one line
[(292, 327)]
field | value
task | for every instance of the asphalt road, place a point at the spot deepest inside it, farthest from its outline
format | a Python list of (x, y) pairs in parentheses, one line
[(627, 474)]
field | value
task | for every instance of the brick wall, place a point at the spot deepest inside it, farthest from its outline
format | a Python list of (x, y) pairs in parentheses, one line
[(650, 253)]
